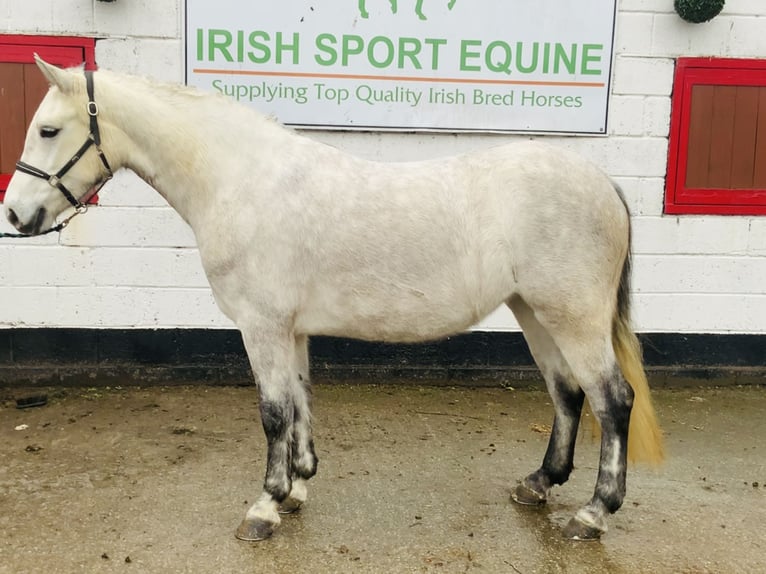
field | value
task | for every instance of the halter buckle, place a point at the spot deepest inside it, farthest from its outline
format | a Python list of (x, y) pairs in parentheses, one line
[(54, 181), (92, 108), (80, 209)]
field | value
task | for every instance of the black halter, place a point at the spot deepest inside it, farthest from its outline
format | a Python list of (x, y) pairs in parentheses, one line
[(94, 138)]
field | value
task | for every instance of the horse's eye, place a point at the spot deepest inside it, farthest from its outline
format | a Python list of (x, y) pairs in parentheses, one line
[(49, 132)]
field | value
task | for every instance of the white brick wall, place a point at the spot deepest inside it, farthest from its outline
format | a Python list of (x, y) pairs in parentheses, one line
[(132, 262)]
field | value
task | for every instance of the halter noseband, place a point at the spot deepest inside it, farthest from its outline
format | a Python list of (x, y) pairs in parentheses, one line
[(94, 138)]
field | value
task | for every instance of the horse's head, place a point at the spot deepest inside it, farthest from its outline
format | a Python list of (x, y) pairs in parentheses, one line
[(57, 167)]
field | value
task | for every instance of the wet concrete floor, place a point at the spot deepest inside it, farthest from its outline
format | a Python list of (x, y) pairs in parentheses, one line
[(411, 479)]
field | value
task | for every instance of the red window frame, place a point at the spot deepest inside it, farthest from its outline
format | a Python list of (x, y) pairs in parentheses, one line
[(680, 199), (65, 51)]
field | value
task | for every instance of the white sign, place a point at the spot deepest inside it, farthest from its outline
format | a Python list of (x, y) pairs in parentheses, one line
[(452, 65)]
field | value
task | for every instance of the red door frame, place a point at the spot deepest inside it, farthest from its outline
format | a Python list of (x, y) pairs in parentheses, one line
[(678, 198), (63, 51)]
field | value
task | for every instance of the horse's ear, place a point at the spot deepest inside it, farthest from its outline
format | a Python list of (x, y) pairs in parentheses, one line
[(62, 79)]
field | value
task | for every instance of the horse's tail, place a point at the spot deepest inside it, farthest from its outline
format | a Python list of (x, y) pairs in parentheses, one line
[(645, 442)]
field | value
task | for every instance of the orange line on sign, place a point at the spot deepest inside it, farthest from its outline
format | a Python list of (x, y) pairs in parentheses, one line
[(398, 78)]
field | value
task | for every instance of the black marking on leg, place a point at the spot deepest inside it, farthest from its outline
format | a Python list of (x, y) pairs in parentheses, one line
[(558, 462), (303, 447), (301, 470), (615, 422), (304, 459), (277, 419)]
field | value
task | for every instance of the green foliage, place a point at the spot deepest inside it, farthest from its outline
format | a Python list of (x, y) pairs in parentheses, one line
[(697, 11)]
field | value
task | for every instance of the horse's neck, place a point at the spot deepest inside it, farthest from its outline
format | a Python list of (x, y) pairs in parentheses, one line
[(172, 141)]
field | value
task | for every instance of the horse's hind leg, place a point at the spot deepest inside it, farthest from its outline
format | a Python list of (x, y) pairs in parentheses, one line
[(576, 356), (590, 354), (304, 459), (272, 356), (567, 402), (611, 399)]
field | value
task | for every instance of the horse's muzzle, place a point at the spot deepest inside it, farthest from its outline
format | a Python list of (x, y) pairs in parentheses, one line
[(31, 228)]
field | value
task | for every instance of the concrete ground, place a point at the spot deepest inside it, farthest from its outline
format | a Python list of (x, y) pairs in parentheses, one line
[(410, 479)]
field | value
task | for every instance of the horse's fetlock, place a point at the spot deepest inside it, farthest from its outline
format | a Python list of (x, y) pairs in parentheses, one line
[(306, 466), (610, 499), (305, 463), (540, 482), (279, 490), (560, 476)]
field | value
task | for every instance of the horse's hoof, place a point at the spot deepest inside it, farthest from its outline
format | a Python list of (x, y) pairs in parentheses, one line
[(290, 506), (522, 494), (254, 529), (577, 530)]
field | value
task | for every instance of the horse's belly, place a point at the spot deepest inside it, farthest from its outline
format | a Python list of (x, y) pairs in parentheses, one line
[(411, 315), (383, 327)]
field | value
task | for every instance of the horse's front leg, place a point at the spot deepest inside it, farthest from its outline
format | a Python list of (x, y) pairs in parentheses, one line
[(304, 459), (273, 360)]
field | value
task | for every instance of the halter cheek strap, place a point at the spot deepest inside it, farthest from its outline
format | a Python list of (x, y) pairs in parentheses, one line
[(54, 180)]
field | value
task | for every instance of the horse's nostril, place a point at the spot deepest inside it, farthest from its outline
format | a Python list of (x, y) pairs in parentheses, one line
[(12, 217)]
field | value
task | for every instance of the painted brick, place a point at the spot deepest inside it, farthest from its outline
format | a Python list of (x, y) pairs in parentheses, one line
[(700, 313), (634, 33), (699, 274), (644, 195), (625, 156), (501, 319), (5, 346), (138, 18), (626, 115), (691, 235), (129, 227), (69, 15), (35, 346), (639, 116), (745, 7), (147, 267), (97, 266), (646, 6), (673, 37), (160, 59), (756, 244), (657, 116), (9, 243), (643, 76), (29, 17), (746, 38), (111, 307), (26, 265), (128, 190)]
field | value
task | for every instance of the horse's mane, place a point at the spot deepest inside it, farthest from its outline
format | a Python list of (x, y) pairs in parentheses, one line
[(152, 85), (181, 94)]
